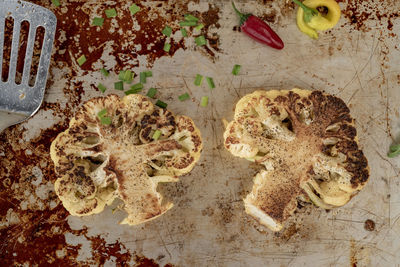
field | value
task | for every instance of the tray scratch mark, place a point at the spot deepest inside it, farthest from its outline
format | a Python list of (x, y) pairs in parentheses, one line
[(387, 111), (169, 233), (373, 49), (216, 138), (358, 78), (187, 87), (163, 243)]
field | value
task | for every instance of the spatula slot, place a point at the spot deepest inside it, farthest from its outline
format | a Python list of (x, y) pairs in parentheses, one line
[(8, 36), (23, 42), (37, 50)]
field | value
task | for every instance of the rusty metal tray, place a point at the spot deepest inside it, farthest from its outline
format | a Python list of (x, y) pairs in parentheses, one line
[(357, 61)]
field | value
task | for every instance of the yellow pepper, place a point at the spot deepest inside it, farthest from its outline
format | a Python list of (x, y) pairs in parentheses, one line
[(314, 21)]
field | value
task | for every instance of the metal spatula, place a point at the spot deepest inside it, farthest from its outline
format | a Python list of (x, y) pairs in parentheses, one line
[(20, 101)]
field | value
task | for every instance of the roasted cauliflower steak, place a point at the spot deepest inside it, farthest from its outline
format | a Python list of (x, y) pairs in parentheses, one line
[(308, 146), (98, 161)]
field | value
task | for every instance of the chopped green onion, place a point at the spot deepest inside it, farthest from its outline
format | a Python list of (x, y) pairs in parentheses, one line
[(56, 2), (167, 47), (152, 92), (189, 17), (200, 40), (81, 60), (204, 101), (161, 104), (98, 22), (134, 9), (198, 80), (102, 113), (210, 82), (110, 13), (119, 86), (137, 87), (142, 77), (104, 72), (157, 135), (167, 31), (148, 73), (184, 97), (121, 75), (184, 32), (101, 87), (128, 76), (236, 69), (132, 91), (187, 23), (105, 120), (199, 27)]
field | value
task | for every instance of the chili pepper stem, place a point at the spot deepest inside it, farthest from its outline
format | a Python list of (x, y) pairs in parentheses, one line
[(306, 8), (243, 17)]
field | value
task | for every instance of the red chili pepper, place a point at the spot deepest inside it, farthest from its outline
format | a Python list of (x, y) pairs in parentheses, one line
[(257, 29)]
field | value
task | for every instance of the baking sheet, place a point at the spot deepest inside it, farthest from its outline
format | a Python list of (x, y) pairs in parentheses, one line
[(357, 61)]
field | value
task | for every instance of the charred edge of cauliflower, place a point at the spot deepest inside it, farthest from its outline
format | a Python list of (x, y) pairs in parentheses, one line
[(308, 144), (97, 163)]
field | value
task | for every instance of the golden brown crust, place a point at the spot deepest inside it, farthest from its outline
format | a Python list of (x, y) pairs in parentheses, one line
[(308, 144)]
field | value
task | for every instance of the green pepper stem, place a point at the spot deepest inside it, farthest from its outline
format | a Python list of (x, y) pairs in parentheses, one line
[(243, 17), (306, 8)]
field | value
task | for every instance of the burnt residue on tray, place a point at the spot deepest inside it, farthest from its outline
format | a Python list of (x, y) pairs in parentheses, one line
[(129, 36), (360, 14), (369, 225)]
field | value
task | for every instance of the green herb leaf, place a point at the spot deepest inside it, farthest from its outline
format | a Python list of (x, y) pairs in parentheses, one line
[(210, 82), (104, 72), (134, 9), (142, 77), (81, 60), (200, 40), (308, 12), (102, 113), (204, 101), (167, 31), (105, 120), (161, 104), (236, 69), (56, 2), (394, 151), (189, 17), (184, 97), (167, 47), (119, 86), (101, 87), (98, 22), (198, 80), (157, 135), (152, 92), (187, 23), (394, 148), (184, 32), (110, 13)]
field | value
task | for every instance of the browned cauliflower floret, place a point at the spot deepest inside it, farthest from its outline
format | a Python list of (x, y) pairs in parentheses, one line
[(98, 161), (306, 141)]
